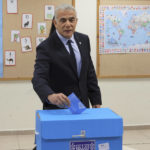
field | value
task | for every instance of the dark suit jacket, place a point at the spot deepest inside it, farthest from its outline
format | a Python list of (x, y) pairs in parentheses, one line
[(55, 73)]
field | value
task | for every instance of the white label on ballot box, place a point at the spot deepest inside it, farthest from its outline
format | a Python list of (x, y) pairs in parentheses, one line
[(103, 146), (82, 145)]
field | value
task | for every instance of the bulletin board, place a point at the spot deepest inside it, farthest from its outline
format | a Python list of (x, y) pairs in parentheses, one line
[(23, 67), (121, 65)]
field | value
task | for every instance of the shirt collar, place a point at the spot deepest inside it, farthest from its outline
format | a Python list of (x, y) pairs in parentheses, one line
[(65, 40)]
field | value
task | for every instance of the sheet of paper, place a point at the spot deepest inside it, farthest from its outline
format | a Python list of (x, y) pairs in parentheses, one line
[(15, 36), (27, 21), (10, 57), (26, 44), (76, 106), (49, 12), (12, 6), (41, 28)]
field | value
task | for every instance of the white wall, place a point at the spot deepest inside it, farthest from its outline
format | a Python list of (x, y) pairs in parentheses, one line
[(130, 98)]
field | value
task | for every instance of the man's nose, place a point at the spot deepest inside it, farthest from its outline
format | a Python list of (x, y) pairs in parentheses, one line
[(68, 23)]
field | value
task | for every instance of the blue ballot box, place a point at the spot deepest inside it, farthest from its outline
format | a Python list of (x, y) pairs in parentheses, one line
[(94, 129)]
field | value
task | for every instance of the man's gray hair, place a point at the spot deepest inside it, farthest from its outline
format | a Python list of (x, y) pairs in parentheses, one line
[(63, 7)]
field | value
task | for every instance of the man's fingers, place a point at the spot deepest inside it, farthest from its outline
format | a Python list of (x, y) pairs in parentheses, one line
[(65, 98), (60, 100)]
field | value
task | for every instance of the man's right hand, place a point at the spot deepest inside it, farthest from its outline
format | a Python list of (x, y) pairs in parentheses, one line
[(59, 99)]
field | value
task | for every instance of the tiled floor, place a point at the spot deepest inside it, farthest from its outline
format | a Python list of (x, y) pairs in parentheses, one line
[(132, 140)]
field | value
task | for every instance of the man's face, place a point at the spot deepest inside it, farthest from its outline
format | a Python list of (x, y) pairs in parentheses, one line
[(65, 23)]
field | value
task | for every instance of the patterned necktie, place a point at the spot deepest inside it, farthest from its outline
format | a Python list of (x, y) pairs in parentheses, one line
[(72, 54)]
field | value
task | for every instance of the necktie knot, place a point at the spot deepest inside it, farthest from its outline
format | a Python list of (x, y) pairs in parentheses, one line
[(69, 42)]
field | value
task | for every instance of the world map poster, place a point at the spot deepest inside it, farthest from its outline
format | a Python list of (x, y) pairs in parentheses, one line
[(124, 29)]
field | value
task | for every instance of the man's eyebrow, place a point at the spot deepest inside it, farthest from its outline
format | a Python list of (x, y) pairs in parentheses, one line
[(68, 17), (72, 17)]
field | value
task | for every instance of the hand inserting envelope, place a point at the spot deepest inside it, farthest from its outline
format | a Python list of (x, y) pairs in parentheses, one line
[(76, 106)]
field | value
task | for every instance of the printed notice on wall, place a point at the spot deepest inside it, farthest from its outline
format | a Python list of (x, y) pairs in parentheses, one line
[(49, 12), (11, 6), (10, 57)]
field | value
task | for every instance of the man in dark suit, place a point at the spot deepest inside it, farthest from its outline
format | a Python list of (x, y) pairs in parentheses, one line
[(63, 65), (59, 71)]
